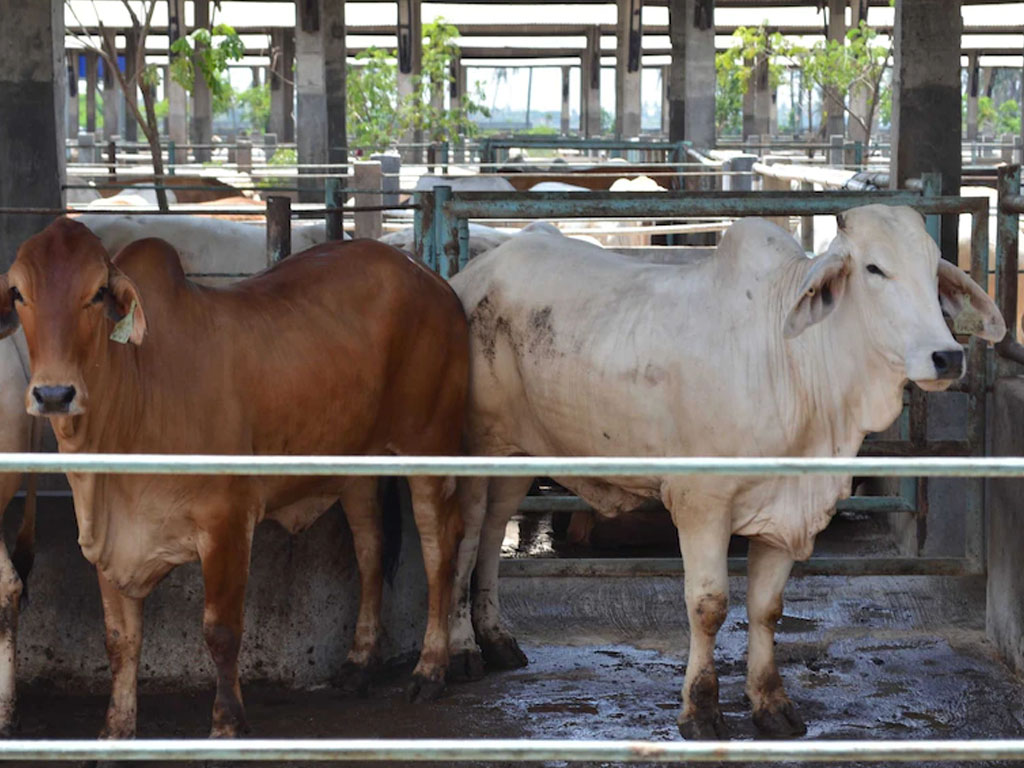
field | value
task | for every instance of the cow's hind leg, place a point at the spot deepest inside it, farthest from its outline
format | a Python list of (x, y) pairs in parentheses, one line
[(499, 647), (704, 540), (439, 524), (122, 616), (10, 594), (359, 500), (224, 554), (466, 662), (767, 571)]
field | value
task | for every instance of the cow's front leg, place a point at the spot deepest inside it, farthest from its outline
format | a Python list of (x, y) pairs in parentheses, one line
[(10, 595), (767, 571), (359, 500), (465, 660), (704, 541), (224, 553), (122, 616), (499, 647)]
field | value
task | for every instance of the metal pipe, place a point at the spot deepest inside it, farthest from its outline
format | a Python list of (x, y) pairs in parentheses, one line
[(519, 751), (515, 466)]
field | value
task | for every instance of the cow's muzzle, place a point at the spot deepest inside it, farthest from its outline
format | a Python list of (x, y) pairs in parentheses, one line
[(949, 363), (53, 399)]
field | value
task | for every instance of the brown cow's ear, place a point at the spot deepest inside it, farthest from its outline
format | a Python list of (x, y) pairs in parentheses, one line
[(9, 321), (968, 305), (126, 307), (821, 291)]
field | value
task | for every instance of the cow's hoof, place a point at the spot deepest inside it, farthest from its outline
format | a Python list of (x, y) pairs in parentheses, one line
[(780, 721), (503, 652), (354, 678), (421, 689), (706, 727), (466, 666)]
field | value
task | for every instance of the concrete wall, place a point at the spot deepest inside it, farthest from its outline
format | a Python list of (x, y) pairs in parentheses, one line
[(299, 616), (1005, 597)]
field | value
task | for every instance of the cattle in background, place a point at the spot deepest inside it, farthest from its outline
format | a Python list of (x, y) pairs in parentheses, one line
[(481, 239), (347, 348), (758, 351)]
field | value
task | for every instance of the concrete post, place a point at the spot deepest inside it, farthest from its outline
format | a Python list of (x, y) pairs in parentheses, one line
[(111, 103), (628, 50), (131, 96), (202, 101), (320, 81), (177, 125), (282, 84), (390, 167), (243, 155), (692, 72), (666, 123), (456, 83), (564, 127), (255, 75), (91, 58), (71, 102), (761, 97), (926, 100), (33, 69), (834, 102), (410, 58), (858, 93), (1006, 150), (368, 223), (590, 85), (973, 86)]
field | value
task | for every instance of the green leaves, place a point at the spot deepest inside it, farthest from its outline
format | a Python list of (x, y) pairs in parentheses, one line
[(206, 52)]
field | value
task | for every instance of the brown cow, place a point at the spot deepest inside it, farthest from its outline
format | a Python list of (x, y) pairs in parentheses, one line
[(343, 349)]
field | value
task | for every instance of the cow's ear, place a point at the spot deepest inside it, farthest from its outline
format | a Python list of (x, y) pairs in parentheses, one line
[(820, 292), (968, 305), (8, 314), (124, 306)]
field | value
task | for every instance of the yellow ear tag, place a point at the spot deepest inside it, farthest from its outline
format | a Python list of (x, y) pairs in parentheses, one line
[(123, 330)]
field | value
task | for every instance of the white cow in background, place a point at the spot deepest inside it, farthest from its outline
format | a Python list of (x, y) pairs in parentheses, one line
[(481, 239), (758, 351)]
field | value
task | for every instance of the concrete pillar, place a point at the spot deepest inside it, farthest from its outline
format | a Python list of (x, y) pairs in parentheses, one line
[(320, 81), (91, 58), (692, 72), (33, 69), (177, 125), (858, 94), (757, 102), (834, 102), (564, 127), (282, 84), (131, 96), (926, 99), (666, 74), (456, 83), (71, 102), (628, 50), (590, 85), (410, 58), (973, 87), (112, 97), (202, 101)]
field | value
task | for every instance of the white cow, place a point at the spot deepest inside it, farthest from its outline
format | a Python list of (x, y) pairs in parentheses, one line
[(481, 239), (464, 183), (758, 351)]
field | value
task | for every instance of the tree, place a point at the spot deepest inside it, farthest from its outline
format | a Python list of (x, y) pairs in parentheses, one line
[(733, 68)]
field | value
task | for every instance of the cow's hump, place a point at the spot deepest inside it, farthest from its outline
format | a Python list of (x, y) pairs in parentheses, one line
[(756, 246)]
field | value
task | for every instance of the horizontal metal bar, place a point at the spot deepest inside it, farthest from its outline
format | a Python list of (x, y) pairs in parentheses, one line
[(673, 566), (515, 466), (865, 504), (490, 205), (1011, 204), (518, 751)]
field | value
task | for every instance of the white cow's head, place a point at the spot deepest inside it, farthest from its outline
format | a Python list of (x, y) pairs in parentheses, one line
[(884, 273)]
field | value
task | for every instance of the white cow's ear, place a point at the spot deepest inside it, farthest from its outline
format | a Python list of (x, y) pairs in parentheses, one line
[(821, 291), (968, 305)]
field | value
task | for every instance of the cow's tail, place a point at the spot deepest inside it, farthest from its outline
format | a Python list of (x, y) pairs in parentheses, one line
[(395, 501), (25, 545)]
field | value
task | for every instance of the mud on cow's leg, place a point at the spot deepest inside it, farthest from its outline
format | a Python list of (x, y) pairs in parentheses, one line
[(704, 541), (439, 522), (465, 660), (224, 554), (499, 647), (359, 500), (122, 616), (767, 571)]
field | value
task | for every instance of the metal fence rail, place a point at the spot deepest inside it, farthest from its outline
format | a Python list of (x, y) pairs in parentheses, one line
[(517, 751)]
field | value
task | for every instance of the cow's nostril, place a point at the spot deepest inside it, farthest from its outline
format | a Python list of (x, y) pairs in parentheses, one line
[(53, 399), (948, 363)]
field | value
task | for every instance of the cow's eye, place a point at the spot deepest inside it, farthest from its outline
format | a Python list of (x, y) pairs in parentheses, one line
[(101, 294), (874, 269), (16, 295)]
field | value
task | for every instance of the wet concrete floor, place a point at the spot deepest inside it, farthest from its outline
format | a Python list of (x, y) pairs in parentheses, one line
[(862, 657)]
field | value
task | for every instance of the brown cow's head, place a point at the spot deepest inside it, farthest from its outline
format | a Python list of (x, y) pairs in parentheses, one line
[(68, 296)]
